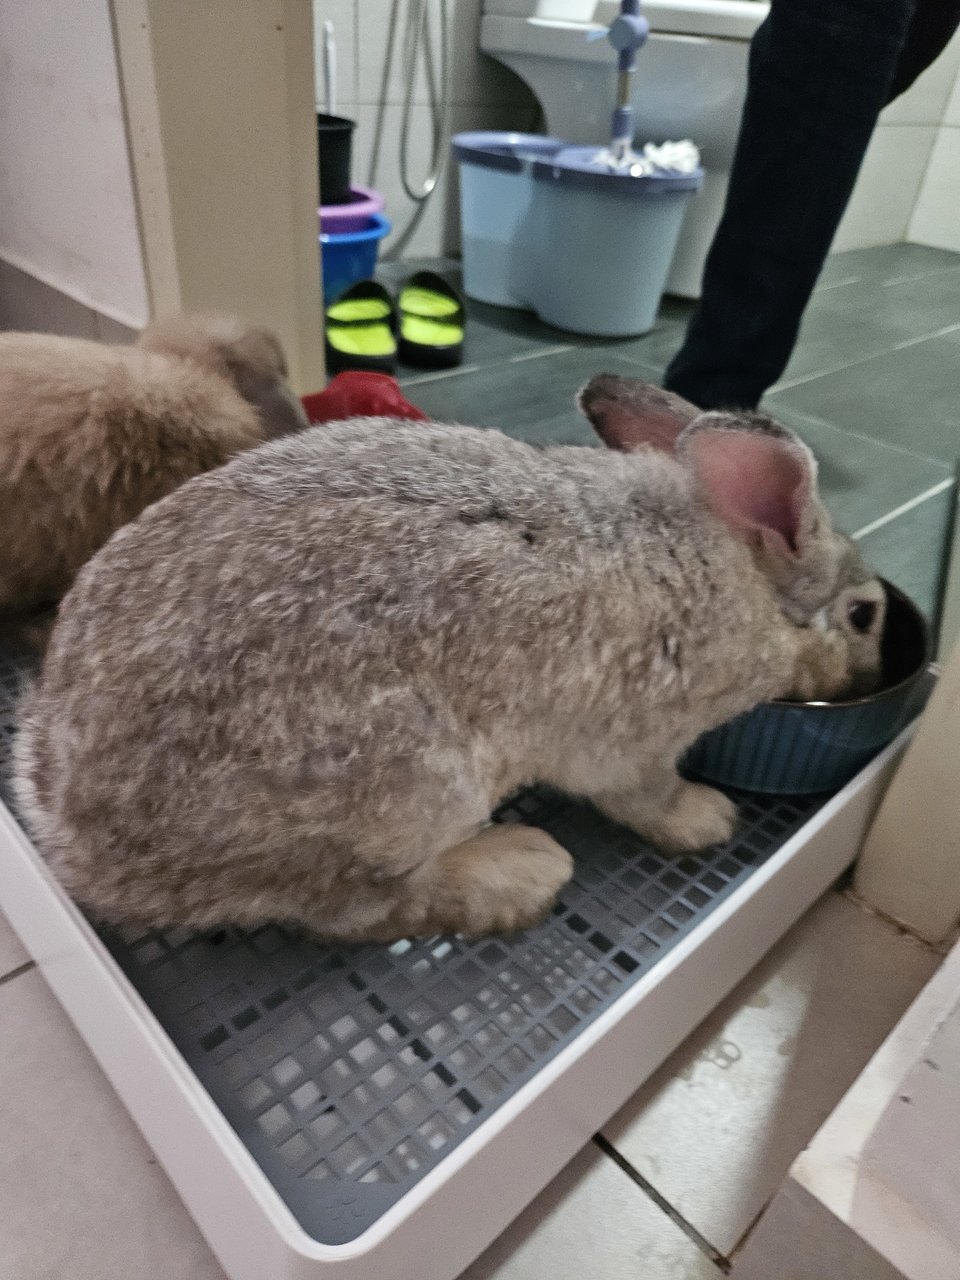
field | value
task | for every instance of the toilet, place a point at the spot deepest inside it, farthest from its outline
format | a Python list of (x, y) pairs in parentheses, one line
[(690, 82)]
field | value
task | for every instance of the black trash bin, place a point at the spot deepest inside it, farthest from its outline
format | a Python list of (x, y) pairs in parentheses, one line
[(334, 141)]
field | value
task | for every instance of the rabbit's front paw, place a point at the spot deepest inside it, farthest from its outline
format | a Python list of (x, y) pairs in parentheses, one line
[(697, 818)]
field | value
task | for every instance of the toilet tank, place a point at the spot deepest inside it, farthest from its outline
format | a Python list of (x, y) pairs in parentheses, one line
[(690, 80), (563, 10), (728, 19)]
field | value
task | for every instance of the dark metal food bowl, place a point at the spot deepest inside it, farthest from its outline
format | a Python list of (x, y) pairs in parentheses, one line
[(802, 748)]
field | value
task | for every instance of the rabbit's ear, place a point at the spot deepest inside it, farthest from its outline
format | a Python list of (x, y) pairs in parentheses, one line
[(627, 413), (761, 484)]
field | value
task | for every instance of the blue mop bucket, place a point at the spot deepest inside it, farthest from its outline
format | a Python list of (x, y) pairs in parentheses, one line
[(349, 256)]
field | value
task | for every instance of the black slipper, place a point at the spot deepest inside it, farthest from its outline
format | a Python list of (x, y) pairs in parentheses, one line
[(432, 320), (361, 329)]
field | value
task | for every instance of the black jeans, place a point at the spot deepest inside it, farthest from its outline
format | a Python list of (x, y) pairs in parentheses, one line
[(820, 73)]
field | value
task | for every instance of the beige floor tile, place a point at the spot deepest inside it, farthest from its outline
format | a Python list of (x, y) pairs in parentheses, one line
[(719, 1125), (12, 951), (82, 1197), (593, 1221)]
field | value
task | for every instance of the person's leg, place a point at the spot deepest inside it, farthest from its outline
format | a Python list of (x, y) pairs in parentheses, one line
[(934, 23), (820, 73)]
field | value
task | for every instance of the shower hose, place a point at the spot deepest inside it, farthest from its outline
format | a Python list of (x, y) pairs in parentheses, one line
[(440, 110)]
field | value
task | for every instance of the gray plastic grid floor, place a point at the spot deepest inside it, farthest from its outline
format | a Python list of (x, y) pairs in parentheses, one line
[(350, 1072)]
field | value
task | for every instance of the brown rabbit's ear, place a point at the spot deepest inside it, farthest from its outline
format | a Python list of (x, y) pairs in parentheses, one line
[(761, 484), (628, 413), (255, 364)]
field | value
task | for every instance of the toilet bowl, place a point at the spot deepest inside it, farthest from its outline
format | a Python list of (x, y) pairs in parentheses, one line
[(690, 82)]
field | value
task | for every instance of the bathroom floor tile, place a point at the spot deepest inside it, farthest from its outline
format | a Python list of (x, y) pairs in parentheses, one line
[(532, 399), (909, 550), (860, 479), (654, 349), (83, 1197), (715, 1130), (12, 951), (496, 334), (885, 262), (869, 317), (593, 1221), (499, 333), (909, 396), (493, 333)]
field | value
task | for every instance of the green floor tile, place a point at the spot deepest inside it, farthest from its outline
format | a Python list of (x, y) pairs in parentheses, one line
[(910, 550), (860, 479), (908, 397), (531, 399)]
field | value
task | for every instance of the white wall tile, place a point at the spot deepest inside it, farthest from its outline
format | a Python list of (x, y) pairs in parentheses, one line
[(483, 95), (343, 15), (384, 33), (883, 199), (925, 100), (376, 163), (936, 218)]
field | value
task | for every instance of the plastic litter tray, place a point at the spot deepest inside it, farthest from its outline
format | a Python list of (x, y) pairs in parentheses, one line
[(338, 1114)]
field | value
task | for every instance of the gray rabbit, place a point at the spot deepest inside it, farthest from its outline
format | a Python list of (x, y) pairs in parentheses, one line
[(296, 688)]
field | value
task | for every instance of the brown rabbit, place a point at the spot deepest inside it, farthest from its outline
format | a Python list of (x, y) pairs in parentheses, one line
[(296, 688), (91, 434)]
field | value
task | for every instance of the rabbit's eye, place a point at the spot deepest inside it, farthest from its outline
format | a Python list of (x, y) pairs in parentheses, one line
[(862, 615)]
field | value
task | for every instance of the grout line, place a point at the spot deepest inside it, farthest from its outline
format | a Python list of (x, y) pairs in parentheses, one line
[(751, 1227), (15, 973), (853, 364), (903, 508), (475, 368), (837, 284), (647, 366), (904, 930), (662, 1203), (535, 355), (812, 420), (924, 275), (438, 377)]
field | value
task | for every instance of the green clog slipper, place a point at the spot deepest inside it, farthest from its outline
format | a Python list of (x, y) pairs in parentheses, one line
[(432, 320), (361, 329)]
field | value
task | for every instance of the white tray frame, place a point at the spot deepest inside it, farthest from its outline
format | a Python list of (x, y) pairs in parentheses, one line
[(467, 1200)]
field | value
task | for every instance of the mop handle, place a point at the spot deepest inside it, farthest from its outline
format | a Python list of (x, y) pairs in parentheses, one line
[(330, 68), (627, 33)]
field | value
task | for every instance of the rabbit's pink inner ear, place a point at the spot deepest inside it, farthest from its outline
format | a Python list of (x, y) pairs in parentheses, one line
[(627, 413), (754, 482)]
